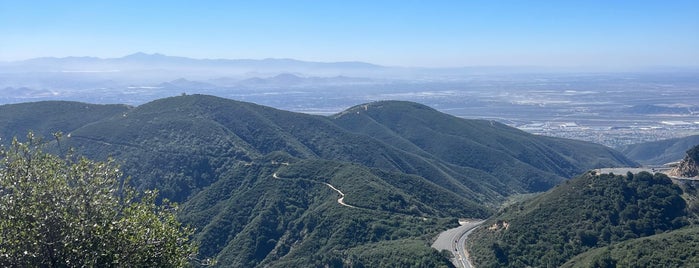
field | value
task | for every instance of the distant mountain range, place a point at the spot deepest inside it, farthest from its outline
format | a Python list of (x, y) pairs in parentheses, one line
[(257, 67), (160, 60), (157, 68), (139, 78), (160, 65), (261, 185)]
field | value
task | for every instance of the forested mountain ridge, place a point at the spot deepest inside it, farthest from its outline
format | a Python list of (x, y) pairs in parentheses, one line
[(47, 117), (483, 144), (588, 212), (670, 249), (282, 212), (182, 141), (255, 180)]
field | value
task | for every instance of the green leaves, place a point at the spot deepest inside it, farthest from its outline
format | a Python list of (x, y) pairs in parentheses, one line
[(65, 212), (587, 212)]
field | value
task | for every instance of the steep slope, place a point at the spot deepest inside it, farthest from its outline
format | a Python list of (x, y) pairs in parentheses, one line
[(255, 181), (689, 166), (279, 211), (220, 156), (671, 249), (584, 213), (179, 145), (499, 150), (660, 152), (47, 117)]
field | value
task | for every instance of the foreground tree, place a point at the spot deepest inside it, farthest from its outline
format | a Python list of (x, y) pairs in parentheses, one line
[(58, 212)]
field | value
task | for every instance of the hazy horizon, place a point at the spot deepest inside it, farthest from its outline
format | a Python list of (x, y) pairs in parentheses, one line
[(609, 35), (572, 68)]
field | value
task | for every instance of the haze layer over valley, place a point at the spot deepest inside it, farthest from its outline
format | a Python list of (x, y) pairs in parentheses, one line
[(611, 108)]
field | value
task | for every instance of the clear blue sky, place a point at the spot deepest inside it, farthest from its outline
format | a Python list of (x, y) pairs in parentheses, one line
[(398, 33)]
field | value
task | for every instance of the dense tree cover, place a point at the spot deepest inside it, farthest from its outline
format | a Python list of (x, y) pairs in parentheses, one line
[(407, 181), (179, 145), (72, 213), (400, 253), (690, 193), (253, 219), (672, 249), (382, 190), (47, 117), (584, 213), (483, 144), (693, 153)]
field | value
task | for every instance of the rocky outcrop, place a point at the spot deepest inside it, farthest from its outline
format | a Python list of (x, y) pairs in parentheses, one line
[(689, 166)]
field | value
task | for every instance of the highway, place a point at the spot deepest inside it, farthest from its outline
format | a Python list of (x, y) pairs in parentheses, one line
[(454, 240)]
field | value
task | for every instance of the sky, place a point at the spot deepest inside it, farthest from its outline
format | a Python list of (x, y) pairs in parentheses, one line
[(412, 33)]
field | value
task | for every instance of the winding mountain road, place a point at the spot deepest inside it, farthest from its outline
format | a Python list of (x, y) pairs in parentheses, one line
[(452, 239), (341, 200)]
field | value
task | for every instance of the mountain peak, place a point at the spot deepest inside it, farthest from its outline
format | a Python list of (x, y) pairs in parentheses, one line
[(387, 106), (287, 75), (399, 104), (142, 55), (287, 78)]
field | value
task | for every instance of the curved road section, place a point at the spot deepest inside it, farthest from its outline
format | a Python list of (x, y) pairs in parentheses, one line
[(340, 200), (454, 240)]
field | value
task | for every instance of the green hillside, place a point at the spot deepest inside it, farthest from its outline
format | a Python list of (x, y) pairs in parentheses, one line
[(278, 213), (520, 161), (182, 144), (660, 152), (591, 211), (47, 117), (178, 145), (406, 170), (671, 249)]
